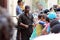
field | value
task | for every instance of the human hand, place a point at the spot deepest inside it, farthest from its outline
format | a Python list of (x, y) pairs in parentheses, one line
[(26, 26)]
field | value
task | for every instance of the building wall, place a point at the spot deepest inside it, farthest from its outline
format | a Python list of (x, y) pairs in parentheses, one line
[(51, 3), (12, 9), (29, 3), (13, 3)]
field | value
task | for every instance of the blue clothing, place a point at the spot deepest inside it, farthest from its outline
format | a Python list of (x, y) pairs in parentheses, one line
[(52, 15), (41, 22), (48, 29), (18, 10)]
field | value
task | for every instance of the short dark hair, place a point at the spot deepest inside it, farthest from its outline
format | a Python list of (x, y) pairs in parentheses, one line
[(19, 1), (41, 15), (47, 19), (54, 22), (46, 11), (27, 7), (56, 28)]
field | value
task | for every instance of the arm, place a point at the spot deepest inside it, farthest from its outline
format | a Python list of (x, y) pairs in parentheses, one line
[(44, 32), (26, 26), (20, 22), (18, 11)]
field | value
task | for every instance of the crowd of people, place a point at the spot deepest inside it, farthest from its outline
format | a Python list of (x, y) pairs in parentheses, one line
[(40, 22), (29, 25)]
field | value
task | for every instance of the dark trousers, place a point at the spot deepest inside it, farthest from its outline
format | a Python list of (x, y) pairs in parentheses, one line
[(25, 34), (18, 35)]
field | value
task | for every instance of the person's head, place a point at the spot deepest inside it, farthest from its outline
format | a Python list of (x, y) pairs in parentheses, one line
[(47, 19), (52, 15), (46, 11), (51, 9), (27, 9), (41, 12), (55, 7), (55, 28), (20, 2), (42, 17), (54, 22), (58, 13)]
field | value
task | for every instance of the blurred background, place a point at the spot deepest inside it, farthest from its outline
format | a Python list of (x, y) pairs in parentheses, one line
[(10, 5), (35, 6)]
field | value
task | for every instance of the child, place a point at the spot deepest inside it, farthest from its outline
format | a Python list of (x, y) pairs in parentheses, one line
[(38, 29), (46, 29), (40, 25), (41, 19)]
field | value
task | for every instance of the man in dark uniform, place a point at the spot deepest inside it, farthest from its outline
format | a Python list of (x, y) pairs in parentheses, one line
[(25, 26)]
